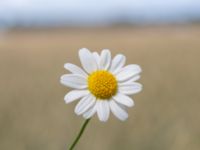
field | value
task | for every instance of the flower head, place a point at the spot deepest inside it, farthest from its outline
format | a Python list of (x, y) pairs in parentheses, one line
[(103, 86)]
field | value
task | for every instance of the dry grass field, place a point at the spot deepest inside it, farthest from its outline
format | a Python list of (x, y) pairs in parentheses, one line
[(33, 115)]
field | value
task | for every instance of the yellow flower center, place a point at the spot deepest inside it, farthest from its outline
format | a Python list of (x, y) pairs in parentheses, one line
[(102, 84)]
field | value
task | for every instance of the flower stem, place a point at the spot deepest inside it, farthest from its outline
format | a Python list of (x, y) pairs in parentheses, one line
[(79, 134)]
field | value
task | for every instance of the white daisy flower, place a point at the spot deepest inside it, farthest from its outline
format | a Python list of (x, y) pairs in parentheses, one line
[(103, 86)]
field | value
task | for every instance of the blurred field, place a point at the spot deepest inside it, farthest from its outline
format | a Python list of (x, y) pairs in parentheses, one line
[(33, 115)]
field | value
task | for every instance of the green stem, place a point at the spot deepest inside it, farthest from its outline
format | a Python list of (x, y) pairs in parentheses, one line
[(79, 134)]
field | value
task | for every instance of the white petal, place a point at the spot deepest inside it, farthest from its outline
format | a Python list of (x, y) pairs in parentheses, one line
[(105, 59), (128, 72), (75, 69), (103, 110), (124, 100), (84, 104), (74, 81), (74, 95), (88, 114), (87, 60), (130, 88), (117, 63), (97, 58), (118, 111), (131, 80)]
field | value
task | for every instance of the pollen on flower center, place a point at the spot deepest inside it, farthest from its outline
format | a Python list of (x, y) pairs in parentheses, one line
[(102, 84)]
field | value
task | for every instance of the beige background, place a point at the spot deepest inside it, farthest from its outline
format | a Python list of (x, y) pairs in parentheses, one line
[(33, 115)]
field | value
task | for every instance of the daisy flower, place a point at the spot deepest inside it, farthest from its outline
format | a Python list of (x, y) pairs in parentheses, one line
[(104, 84)]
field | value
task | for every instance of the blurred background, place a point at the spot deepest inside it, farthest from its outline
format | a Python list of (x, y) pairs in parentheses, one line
[(38, 37)]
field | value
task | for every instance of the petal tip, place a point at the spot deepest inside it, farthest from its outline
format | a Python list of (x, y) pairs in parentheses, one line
[(103, 120), (66, 101), (124, 119), (106, 50), (66, 65), (76, 112), (83, 49)]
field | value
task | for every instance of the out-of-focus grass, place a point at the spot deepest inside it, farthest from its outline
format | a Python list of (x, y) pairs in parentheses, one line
[(33, 115)]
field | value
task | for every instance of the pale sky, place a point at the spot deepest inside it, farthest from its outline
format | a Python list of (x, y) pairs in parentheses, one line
[(96, 11)]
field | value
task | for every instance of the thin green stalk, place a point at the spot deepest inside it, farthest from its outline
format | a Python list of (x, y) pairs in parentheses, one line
[(79, 134)]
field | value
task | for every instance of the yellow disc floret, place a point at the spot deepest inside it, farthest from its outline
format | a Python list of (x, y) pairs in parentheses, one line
[(102, 84)]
